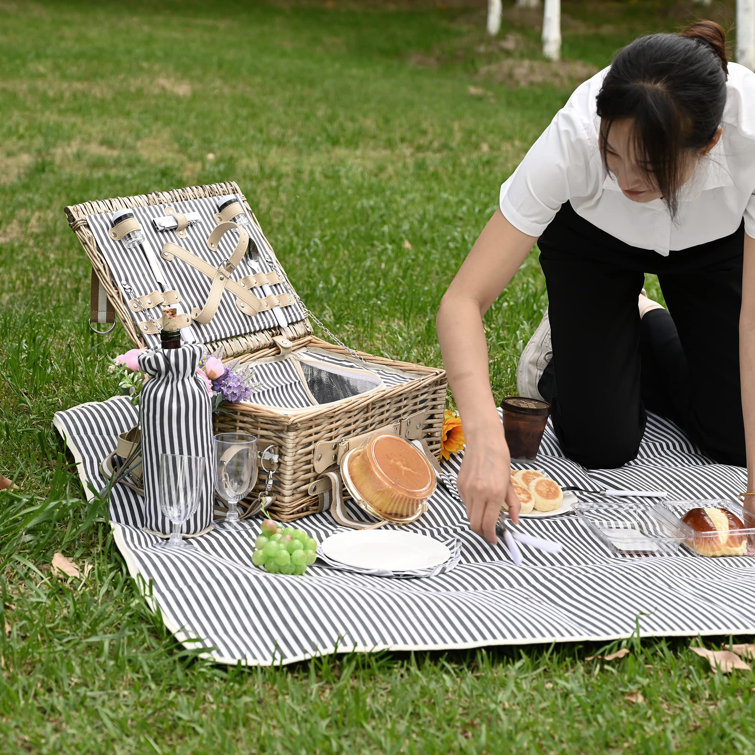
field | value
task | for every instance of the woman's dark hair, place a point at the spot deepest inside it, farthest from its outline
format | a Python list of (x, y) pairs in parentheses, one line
[(673, 86)]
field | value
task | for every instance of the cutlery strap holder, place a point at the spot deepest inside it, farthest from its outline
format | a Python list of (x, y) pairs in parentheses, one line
[(246, 301)]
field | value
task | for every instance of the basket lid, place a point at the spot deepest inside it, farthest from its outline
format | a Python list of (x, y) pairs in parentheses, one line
[(199, 249)]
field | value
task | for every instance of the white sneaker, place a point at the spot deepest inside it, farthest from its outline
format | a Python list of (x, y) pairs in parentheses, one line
[(535, 358)]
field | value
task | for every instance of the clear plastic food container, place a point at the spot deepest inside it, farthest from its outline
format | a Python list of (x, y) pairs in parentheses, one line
[(716, 543), (628, 530), (391, 476), (660, 530)]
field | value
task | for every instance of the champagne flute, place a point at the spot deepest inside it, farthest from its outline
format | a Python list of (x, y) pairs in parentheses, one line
[(179, 480), (235, 471)]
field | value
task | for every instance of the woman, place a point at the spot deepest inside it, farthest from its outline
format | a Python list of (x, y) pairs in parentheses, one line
[(648, 168)]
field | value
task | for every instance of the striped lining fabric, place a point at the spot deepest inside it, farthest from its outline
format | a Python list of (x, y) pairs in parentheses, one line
[(214, 599), (280, 384), (133, 276)]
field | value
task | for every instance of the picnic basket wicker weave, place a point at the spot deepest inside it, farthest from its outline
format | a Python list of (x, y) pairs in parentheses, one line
[(307, 441)]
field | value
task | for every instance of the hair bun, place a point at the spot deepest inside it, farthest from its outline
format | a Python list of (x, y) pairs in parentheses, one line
[(713, 35)]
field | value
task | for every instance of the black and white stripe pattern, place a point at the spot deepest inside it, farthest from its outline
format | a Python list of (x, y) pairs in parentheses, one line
[(280, 383), (214, 599), (175, 416), (130, 267)]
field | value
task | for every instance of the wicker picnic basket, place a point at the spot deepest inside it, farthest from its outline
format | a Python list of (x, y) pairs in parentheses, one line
[(307, 443)]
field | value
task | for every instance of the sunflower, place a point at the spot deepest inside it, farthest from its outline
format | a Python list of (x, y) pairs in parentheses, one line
[(452, 435)]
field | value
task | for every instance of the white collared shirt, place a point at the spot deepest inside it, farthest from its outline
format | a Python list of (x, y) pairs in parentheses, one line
[(565, 164)]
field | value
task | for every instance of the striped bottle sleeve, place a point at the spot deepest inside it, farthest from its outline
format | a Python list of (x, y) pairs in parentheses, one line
[(175, 414)]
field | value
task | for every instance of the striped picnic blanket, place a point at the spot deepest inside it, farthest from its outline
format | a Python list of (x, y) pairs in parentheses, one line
[(214, 599)]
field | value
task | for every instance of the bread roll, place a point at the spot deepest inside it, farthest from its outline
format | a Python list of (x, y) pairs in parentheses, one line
[(525, 497), (547, 494), (716, 532)]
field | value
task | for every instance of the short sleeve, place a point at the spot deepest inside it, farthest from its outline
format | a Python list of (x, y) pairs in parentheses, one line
[(563, 164)]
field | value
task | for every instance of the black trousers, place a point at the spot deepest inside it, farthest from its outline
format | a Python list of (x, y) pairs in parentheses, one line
[(609, 366)]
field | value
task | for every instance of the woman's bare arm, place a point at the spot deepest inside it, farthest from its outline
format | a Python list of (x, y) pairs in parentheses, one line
[(485, 473)]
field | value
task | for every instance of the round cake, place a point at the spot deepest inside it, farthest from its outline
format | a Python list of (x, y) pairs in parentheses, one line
[(525, 497), (547, 494), (717, 532), (526, 476), (392, 476)]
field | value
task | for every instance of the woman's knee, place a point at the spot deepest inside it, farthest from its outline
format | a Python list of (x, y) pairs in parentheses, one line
[(600, 447)]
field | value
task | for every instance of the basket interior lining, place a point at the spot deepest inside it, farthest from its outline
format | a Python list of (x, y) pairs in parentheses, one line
[(319, 378)]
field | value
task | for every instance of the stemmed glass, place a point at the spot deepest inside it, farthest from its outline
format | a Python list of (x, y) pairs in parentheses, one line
[(179, 480), (235, 470)]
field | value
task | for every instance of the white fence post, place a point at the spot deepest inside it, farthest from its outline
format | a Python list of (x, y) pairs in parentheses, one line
[(552, 29), (494, 17), (746, 33)]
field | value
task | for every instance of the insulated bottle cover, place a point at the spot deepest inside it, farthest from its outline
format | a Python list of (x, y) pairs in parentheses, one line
[(175, 415)]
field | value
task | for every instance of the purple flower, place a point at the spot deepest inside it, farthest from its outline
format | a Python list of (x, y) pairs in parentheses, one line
[(231, 387)]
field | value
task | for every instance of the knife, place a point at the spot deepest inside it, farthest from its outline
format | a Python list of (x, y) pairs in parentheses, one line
[(137, 238)]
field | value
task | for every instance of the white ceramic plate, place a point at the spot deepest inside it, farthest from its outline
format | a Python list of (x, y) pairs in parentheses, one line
[(389, 550), (569, 500)]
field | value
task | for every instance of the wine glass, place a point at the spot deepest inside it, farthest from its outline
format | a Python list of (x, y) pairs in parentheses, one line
[(179, 479), (235, 470)]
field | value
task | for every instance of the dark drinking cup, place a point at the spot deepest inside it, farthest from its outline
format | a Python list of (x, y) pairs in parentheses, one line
[(524, 423)]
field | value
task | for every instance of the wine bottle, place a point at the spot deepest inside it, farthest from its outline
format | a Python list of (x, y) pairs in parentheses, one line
[(170, 334)]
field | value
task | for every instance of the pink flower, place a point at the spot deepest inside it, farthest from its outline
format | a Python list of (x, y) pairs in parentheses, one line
[(213, 368), (205, 380), (130, 360)]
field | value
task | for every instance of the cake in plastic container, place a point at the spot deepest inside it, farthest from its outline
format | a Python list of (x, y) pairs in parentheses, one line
[(392, 476)]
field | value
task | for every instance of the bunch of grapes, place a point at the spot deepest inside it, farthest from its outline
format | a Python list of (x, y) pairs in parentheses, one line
[(283, 550)]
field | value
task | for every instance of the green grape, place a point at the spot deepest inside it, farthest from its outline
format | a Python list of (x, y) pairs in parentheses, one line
[(258, 558), (299, 557), (282, 557), (269, 527), (270, 550), (283, 550)]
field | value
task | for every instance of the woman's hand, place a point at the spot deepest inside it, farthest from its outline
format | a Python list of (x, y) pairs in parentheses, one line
[(485, 484)]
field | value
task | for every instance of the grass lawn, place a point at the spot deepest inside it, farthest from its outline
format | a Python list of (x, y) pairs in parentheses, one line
[(370, 138)]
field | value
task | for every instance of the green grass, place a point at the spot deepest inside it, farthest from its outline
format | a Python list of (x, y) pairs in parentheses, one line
[(352, 128)]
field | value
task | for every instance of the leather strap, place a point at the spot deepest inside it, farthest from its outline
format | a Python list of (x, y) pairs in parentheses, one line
[(128, 225), (153, 327), (246, 301), (155, 299), (328, 453), (261, 279), (238, 253), (181, 219), (100, 309), (229, 212), (328, 486)]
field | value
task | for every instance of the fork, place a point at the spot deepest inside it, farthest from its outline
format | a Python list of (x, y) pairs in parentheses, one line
[(511, 537)]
